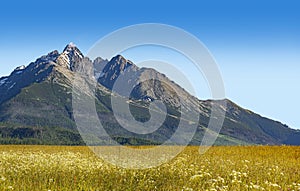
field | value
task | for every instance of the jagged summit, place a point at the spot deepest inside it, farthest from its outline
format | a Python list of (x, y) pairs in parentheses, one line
[(71, 47), (121, 62), (116, 66), (120, 59), (72, 50), (70, 56), (39, 70)]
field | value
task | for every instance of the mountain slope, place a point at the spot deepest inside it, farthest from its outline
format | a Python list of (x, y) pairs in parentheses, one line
[(239, 123), (36, 105)]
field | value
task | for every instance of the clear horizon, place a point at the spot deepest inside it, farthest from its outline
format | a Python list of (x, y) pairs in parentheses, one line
[(256, 44)]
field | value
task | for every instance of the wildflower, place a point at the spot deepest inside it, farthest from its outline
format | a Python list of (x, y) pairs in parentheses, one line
[(197, 176)]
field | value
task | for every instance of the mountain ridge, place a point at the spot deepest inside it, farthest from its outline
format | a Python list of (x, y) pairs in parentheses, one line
[(39, 96)]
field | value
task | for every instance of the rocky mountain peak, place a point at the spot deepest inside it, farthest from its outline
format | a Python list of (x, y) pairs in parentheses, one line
[(119, 59), (70, 57), (119, 64), (72, 48), (99, 64), (71, 51), (114, 68)]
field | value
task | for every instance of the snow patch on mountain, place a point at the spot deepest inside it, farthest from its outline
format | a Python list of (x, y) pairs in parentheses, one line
[(20, 68)]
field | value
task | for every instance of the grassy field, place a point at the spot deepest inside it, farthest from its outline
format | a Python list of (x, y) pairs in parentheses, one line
[(220, 168)]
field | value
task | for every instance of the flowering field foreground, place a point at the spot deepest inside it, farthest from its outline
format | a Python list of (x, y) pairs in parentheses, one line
[(220, 168)]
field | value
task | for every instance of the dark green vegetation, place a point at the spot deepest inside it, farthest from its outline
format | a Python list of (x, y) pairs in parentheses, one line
[(17, 134), (36, 106)]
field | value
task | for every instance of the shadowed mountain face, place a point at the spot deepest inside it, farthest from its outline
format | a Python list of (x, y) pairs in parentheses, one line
[(36, 105)]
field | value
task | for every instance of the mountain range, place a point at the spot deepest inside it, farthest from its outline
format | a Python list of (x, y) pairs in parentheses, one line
[(36, 105)]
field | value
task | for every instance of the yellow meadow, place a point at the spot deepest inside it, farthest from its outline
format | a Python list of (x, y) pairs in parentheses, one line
[(237, 168)]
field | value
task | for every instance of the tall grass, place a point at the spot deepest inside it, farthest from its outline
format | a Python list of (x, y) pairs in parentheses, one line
[(220, 168)]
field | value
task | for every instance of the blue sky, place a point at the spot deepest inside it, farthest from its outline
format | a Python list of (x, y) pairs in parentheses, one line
[(255, 43)]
